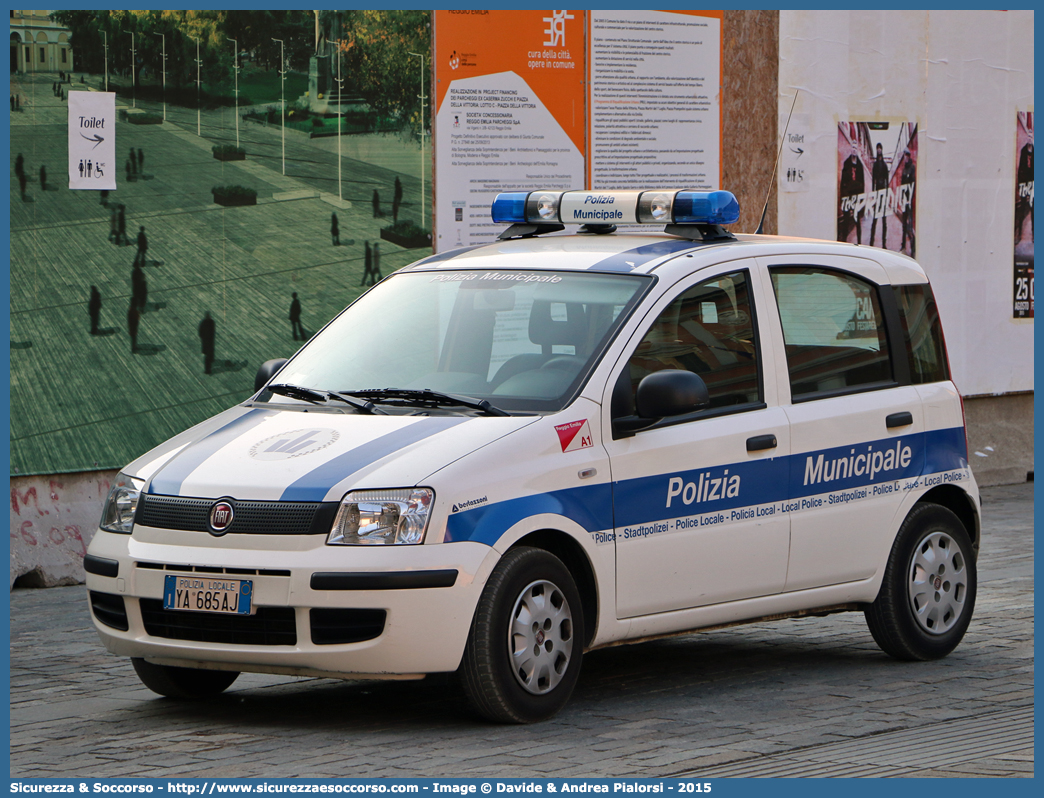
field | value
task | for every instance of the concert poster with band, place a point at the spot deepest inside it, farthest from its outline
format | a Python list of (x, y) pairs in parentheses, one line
[(877, 178), (1023, 287)]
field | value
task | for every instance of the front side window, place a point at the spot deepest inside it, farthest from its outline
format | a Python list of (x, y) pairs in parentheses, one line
[(523, 341), (922, 333), (833, 330), (708, 330)]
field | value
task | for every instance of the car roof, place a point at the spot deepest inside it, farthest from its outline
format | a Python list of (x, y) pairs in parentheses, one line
[(645, 253)]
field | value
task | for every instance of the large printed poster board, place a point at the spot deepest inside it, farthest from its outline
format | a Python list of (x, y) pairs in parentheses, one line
[(877, 179), (655, 105), (1023, 297), (509, 99)]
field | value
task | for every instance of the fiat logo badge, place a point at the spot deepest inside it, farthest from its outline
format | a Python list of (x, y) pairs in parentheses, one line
[(221, 515)]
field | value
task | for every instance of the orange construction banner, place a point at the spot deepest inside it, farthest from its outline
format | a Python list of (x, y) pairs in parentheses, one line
[(510, 112)]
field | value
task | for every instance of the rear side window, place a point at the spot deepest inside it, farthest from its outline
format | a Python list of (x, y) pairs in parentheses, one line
[(922, 333), (833, 330)]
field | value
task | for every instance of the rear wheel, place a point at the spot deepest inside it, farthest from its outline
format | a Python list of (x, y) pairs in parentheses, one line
[(928, 593), (526, 643), (183, 683)]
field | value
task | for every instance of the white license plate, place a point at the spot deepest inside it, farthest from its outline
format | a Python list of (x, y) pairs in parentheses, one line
[(207, 594)]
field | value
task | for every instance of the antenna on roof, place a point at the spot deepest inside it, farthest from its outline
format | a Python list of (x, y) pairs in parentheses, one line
[(772, 178)]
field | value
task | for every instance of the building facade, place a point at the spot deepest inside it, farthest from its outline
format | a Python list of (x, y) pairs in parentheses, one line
[(39, 44)]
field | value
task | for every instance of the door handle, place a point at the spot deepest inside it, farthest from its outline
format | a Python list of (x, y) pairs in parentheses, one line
[(759, 442), (899, 419)]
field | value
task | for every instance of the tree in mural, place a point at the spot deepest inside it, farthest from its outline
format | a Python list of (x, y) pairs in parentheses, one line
[(375, 48)]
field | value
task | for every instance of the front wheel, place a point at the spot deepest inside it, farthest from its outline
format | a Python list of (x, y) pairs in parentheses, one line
[(527, 639), (928, 593), (183, 683)]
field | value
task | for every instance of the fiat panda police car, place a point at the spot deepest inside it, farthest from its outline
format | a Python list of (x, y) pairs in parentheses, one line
[(504, 456)]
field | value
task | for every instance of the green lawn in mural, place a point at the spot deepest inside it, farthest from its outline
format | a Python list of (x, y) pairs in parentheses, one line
[(83, 399), (257, 87)]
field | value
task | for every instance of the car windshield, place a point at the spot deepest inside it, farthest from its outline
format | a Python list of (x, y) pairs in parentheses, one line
[(523, 341)]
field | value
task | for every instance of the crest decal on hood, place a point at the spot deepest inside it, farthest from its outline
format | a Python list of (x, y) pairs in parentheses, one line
[(295, 443)]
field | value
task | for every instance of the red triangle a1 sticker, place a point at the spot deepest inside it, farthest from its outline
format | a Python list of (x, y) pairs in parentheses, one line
[(574, 435)]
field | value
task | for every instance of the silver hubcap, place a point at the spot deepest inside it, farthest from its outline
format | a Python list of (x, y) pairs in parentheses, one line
[(540, 638), (938, 585)]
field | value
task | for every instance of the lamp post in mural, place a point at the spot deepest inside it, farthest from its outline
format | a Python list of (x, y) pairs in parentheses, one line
[(235, 69), (134, 81), (198, 62), (422, 99), (282, 100), (105, 33), (340, 115), (164, 66)]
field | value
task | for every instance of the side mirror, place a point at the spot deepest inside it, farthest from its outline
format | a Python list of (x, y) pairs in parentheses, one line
[(662, 394), (267, 371), (671, 392)]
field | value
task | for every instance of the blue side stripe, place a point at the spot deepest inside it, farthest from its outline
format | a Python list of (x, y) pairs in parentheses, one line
[(644, 500), (314, 485), (170, 477), (632, 259), (591, 506)]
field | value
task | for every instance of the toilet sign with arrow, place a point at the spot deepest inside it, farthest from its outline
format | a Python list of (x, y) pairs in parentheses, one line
[(92, 140)]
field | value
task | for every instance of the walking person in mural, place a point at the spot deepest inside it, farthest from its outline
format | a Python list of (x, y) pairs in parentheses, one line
[(295, 319), (335, 230), (207, 335), (143, 247), (367, 263), (94, 306)]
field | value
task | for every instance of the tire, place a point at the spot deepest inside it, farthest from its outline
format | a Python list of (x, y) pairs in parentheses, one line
[(526, 643), (928, 593), (183, 683)]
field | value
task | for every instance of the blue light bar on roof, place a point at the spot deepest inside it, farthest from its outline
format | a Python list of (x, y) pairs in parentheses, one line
[(616, 207), (510, 208), (706, 207)]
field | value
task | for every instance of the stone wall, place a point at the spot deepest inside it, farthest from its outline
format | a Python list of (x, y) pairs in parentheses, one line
[(1000, 437), (53, 518)]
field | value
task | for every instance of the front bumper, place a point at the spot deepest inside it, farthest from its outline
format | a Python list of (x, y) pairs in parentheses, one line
[(424, 627)]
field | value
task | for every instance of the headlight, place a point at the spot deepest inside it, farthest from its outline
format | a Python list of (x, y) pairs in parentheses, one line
[(371, 517), (121, 504)]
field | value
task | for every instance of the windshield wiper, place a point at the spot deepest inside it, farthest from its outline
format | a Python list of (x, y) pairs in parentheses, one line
[(407, 397), (298, 392), (320, 397)]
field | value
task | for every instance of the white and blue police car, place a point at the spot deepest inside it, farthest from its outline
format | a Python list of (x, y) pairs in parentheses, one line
[(504, 456)]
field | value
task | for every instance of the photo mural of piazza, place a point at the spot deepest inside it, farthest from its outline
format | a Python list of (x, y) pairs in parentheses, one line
[(241, 221)]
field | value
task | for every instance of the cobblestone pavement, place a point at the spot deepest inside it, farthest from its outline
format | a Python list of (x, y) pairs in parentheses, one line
[(791, 698)]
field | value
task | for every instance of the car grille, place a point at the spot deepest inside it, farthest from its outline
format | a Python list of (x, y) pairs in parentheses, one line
[(268, 626), (249, 517)]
